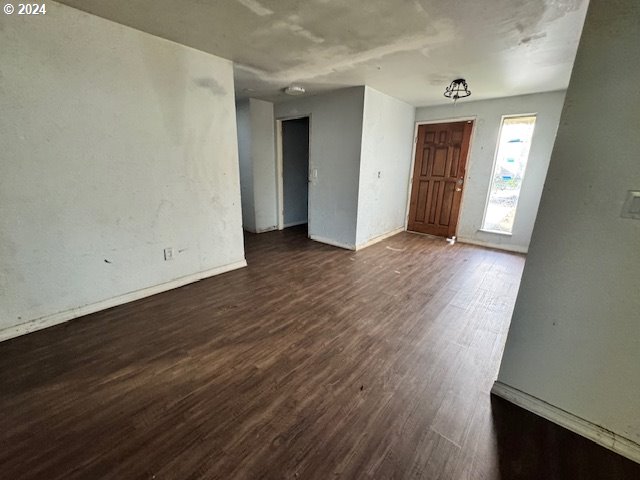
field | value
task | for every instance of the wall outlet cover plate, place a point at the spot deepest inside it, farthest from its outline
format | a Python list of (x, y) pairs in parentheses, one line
[(631, 207)]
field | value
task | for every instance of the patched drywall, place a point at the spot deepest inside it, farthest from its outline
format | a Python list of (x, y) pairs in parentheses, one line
[(385, 164), (574, 340), (336, 134), (115, 145), (410, 50), (488, 116)]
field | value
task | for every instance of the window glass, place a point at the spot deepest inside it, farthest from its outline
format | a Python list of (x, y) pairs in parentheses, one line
[(508, 173)]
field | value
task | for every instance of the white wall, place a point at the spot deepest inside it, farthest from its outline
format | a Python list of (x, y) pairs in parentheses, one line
[(263, 152), (257, 152), (243, 122), (488, 114), (115, 144), (574, 340), (336, 134), (385, 164)]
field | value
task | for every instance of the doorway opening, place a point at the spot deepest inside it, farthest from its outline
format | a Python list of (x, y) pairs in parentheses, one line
[(293, 178), (438, 177)]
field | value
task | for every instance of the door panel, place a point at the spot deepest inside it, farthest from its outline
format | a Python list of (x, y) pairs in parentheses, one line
[(438, 176)]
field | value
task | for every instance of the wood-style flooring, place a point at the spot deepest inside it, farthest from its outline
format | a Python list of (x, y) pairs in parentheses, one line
[(312, 363)]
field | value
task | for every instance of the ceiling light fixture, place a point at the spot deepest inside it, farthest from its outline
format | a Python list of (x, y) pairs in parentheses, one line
[(457, 89), (294, 90)]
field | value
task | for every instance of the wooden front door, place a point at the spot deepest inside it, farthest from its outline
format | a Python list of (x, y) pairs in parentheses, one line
[(438, 177)]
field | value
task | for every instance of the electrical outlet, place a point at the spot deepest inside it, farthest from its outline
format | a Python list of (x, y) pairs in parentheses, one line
[(631, 208), (168, 253)]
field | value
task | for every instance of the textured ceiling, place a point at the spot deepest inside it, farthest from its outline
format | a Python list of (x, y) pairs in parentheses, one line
[(410, 49)]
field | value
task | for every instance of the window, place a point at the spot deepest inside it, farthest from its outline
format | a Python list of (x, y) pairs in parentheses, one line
[(508, 172)]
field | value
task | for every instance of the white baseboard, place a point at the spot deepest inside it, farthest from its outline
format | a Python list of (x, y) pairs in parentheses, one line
[(498, 246), (608, 439), (294, 224), (61, 317), (267, 229), (333, 243), (379, 238)]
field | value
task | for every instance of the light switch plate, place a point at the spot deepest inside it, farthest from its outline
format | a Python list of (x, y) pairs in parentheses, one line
[(631, 207)]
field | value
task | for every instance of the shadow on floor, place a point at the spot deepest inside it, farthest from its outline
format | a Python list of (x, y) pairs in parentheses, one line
[(532, 448)]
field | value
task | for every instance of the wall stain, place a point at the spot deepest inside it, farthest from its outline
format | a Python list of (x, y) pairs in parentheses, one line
[(210, 84), (530, 38)]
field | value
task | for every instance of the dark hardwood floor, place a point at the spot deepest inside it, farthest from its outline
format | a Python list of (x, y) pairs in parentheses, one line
[(312, 363)]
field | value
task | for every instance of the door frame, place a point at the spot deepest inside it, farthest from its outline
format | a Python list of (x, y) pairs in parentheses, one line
[(472, 118), (280, 170)]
